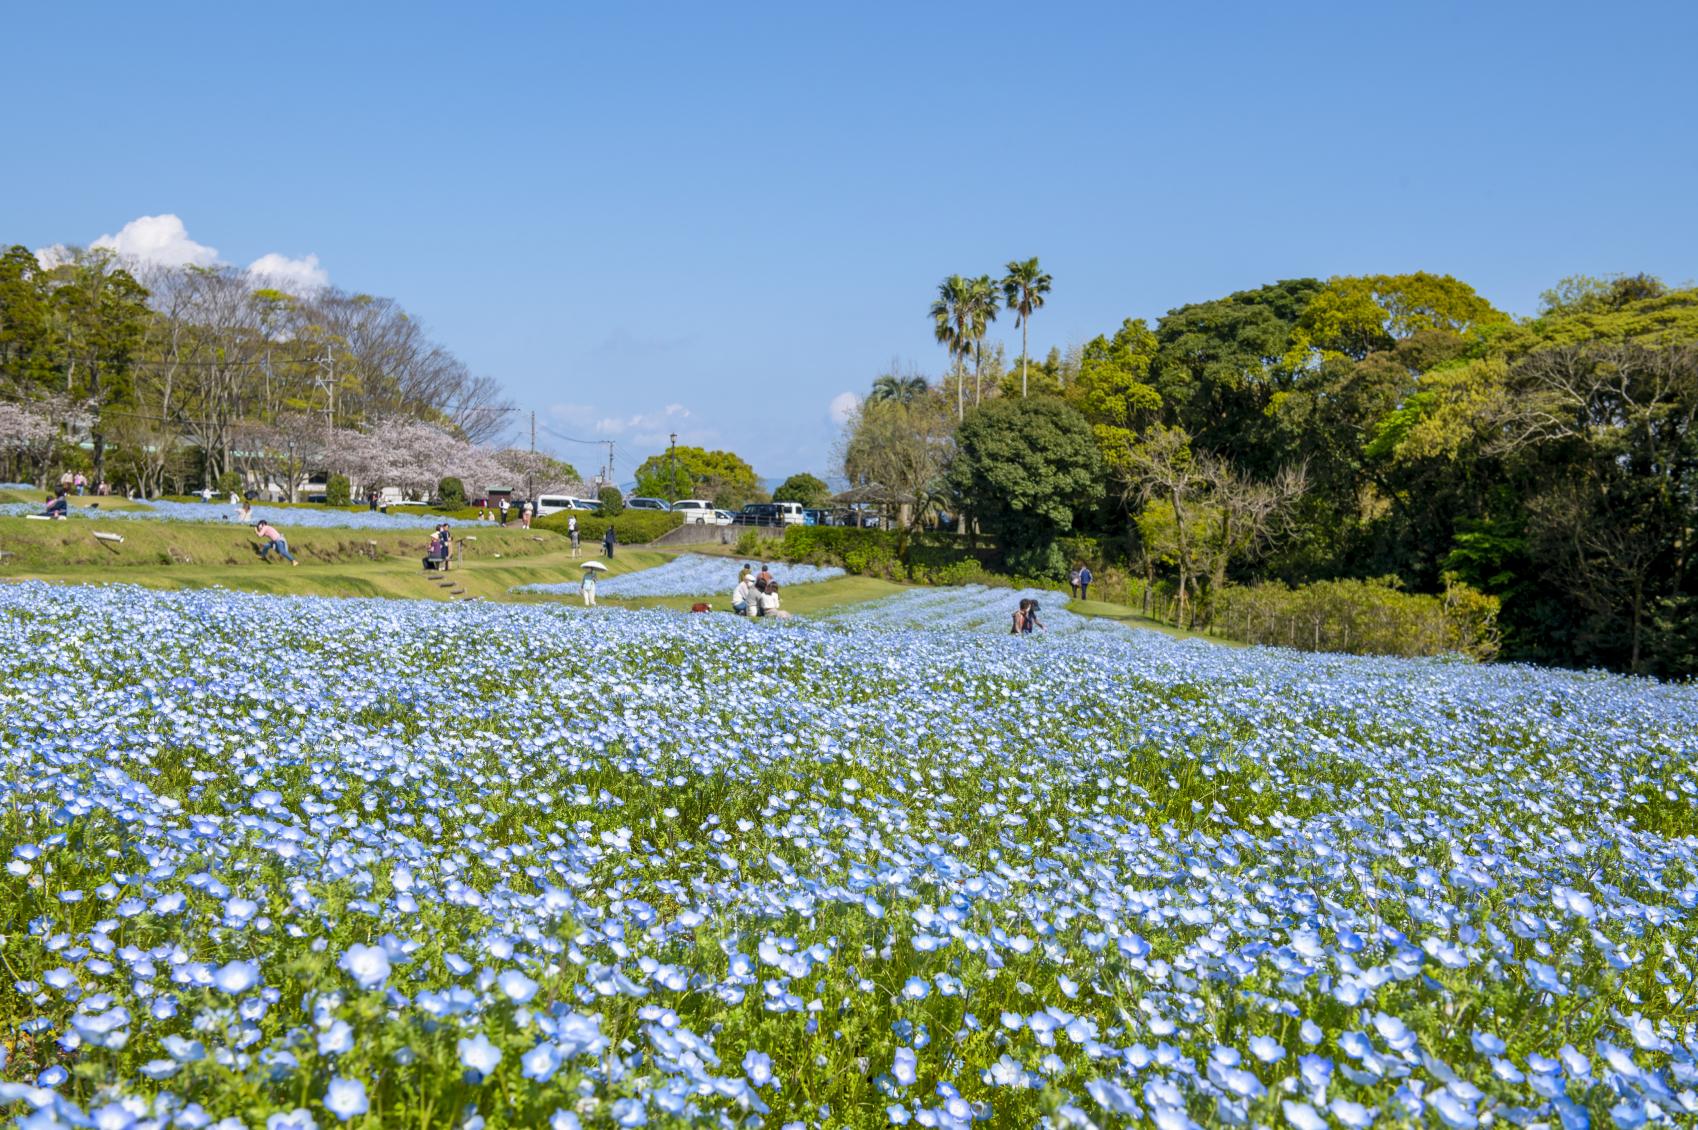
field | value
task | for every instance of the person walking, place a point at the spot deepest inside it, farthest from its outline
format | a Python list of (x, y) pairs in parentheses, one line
[(1073, 582), (65, 482), (607, 542), (1085, 579), (572, 532), (587, 586), (525, 515), (273, 540), (504, 506), (80, 481)]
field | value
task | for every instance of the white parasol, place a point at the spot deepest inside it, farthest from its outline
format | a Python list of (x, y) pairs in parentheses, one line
[(593, 565)]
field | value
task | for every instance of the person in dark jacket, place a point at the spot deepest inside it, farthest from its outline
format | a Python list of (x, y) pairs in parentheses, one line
[(607, 542)]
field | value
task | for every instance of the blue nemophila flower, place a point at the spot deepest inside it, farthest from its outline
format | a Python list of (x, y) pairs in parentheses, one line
[(345, 1097), (903, 1067), (541, 1062), (757, 1066), (516, 987), (235, 977), (367, 965), (478, 1055)]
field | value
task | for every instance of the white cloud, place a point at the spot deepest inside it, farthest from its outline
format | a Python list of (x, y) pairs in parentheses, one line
[(843, 406), (297, 276), (652, 422), (161, 240)]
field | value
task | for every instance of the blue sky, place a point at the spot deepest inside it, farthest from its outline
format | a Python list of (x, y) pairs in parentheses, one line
[(715, 219)]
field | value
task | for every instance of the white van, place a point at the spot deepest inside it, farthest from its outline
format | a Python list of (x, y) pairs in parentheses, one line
[(790, 513), (554, 504), (696, 511)]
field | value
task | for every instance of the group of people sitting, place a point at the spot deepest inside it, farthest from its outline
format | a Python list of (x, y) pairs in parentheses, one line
[(439, 554), (756, 594)]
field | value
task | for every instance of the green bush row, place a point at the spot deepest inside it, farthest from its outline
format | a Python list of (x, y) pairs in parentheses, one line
[(1371, 617), (630, 527)]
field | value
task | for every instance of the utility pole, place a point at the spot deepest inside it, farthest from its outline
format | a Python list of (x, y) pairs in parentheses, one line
[(610, 477), (531, 466), (674, 497)]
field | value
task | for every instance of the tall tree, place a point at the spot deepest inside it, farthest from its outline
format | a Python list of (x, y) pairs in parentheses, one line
[(952, 316), (1027, 470), (1024, 287), (982, 303), (102, 311)]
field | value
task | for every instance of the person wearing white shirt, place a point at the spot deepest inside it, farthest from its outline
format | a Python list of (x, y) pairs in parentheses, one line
[(769, 603), (740, 597)]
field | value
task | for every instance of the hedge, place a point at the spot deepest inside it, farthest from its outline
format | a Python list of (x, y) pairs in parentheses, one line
[(632, 527), (1360, 617)]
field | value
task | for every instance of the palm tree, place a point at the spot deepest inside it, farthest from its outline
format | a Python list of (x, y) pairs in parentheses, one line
[(952, 318), (1024, 286), (982, 305), (889, 386)]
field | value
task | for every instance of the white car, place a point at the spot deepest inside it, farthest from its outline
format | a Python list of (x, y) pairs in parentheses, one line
[(722, 518), (696, 511)]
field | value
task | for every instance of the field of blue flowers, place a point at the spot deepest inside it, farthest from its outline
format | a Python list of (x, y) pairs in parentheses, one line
[(297, 862), (692, 574)]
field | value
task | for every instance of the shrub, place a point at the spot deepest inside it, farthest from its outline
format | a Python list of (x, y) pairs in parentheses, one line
[(1371, 617), (749, 544), (633, 527), (451, 493), (230, 482), (338, 491), (869, 552), (612, 501)]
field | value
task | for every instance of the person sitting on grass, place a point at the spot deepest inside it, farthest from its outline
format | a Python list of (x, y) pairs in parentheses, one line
[(741, 596), (58, 506), (273, 540), (769, 602)]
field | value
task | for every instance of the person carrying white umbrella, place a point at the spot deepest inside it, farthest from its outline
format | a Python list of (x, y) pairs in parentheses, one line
[(587, 585)]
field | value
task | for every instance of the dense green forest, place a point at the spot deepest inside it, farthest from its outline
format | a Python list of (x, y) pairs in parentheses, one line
[(1394, 427)]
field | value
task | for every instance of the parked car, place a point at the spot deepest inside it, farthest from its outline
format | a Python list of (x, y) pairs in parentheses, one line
[(814, 518), (696, 511), (554, 504), (646, 504), (722, 518), (790, 513), (759, 514)]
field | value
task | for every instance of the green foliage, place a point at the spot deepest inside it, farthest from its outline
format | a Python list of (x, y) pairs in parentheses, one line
[(720, 476), (749, 543), (631, 527), (230, 482), (612, 502), (867, 552), (1361, 617), (450, 493), (1026, 468), (809, 490), (337, 490)]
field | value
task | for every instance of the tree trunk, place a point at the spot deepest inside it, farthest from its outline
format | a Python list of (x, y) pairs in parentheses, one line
[(1022, 358)]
